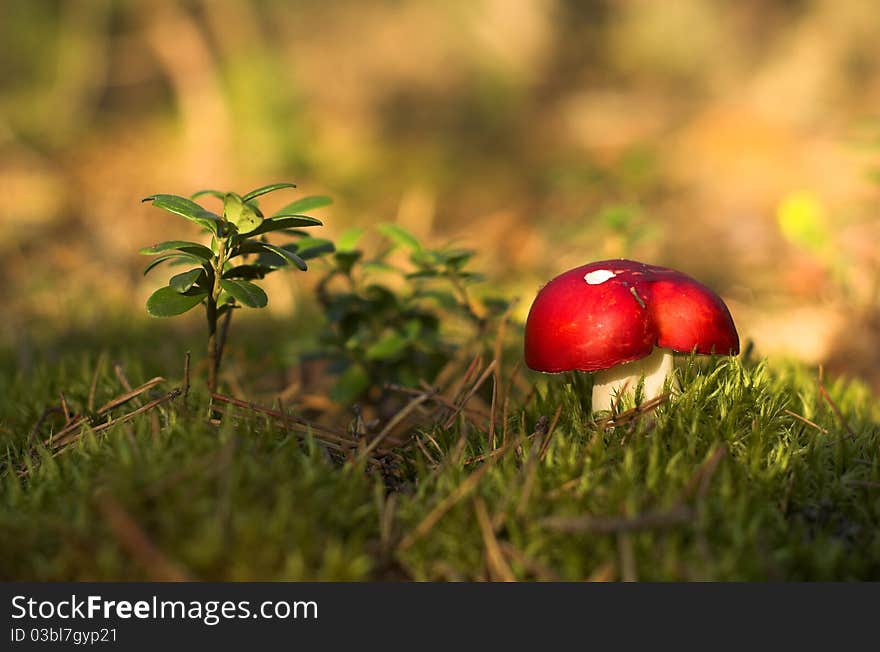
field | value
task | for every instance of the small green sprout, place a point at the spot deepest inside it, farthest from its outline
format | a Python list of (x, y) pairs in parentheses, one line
[(221, 275)]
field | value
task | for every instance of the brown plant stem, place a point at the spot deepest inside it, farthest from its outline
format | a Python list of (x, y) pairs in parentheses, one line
[(211, 313), (214, 346), (221, 341)]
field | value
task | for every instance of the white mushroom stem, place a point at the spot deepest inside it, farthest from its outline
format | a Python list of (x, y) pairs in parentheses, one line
[(609, 385)]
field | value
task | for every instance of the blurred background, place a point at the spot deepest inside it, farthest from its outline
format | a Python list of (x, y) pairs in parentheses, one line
[(735, 140)]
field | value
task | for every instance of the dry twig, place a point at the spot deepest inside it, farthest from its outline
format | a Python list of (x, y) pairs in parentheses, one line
[(498, 567), (533, 566), (699, 481), (805, 420), (634, 413), (615, 524), (136, 543), (441, 508), (834, 406), (63, 443)]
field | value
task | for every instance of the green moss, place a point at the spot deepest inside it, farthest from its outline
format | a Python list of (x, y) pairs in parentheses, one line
[(743, 490)]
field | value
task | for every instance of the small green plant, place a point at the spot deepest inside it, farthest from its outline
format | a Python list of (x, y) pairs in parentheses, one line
[(221, 275), (393, 320)]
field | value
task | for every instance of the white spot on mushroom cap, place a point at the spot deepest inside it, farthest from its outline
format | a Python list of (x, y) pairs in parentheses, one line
[(598, 276)]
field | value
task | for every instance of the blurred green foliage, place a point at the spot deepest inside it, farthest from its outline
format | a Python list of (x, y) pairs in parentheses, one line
[(803, 222), (388, 320)]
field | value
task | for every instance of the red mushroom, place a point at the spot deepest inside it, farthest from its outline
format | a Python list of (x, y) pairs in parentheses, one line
[(623, 319)]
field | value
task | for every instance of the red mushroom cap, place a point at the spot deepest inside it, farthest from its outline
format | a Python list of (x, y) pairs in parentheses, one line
[(613, 311)]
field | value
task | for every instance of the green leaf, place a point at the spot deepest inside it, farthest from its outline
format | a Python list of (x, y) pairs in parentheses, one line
[(345, 260), (425, 273), (213, 193), (246, 247), (246, 293), (270, 255), (186, 208), (446, 299), (304, 204), (185, 280), (457, 258), (266, 189), (400, 236), (304, 220), (389, 346), (253, 203), (349, 239), (183, 245), (496, 305), (382, 297), (426, 258), (352, 383), (241, 215), (285, 222), (286, 254), (167, 302), (175, 256), (308, 248), (379, 266), (248, 271)]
